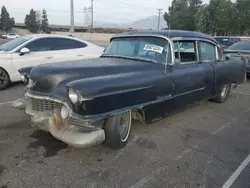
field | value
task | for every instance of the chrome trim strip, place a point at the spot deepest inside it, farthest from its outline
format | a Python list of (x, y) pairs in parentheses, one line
[(119, 92), (195, 39), (27, 94), (185, 93), (114, 112)]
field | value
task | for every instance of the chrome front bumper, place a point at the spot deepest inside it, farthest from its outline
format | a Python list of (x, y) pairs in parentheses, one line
[(76, 132)]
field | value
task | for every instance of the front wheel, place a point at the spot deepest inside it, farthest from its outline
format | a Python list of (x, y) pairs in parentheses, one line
[(4, 79), (224, 93), (117, 130)]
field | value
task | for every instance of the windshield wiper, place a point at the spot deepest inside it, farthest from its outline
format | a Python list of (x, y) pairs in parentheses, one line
[(128, 57)]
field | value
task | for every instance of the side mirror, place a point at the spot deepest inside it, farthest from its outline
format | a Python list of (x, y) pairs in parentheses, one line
[(227, 57), (24, 51)]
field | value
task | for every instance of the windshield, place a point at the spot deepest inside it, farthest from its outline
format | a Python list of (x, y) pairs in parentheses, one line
[(8, 46), (240, 46), (148, 48), (222, 41)]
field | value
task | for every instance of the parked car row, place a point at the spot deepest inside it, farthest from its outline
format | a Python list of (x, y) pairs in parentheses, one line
[(241, 48), (143, 75), (227, 41)]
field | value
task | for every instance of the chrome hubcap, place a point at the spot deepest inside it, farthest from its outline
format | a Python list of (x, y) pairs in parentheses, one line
[(224, 91), (3, 78), (124, 122)]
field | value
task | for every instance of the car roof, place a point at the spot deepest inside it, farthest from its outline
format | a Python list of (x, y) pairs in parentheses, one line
[(168, 34), (32, 36), (46, 35), (226, 37)]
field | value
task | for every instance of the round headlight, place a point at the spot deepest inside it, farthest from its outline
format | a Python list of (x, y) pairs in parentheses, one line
[(73, 96), (64, 112), (24, 78)]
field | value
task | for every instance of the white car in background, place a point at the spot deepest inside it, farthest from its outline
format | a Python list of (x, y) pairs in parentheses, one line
[(33, 50), (10, 36)]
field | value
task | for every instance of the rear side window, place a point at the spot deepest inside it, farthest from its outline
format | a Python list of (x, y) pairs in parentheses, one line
[(65, 44), (185, 51), (40, 45), (207, 51)]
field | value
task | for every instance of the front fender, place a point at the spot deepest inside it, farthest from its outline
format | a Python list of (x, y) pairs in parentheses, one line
[(113, 84), (115, 92), (25, 71)]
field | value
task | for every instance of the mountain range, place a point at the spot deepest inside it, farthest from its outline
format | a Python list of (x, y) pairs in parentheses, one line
[(150, 22)]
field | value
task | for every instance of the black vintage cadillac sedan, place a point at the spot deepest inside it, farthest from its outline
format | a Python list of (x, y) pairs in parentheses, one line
[(141, 75)]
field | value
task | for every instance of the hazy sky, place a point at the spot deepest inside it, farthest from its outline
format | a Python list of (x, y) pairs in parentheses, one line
[(113, 11)]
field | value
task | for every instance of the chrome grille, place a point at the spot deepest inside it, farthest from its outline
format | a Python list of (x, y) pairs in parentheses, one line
[(41, 105)]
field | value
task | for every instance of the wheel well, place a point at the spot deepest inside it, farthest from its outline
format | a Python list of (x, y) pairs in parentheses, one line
[(138, 114), (5, 70)]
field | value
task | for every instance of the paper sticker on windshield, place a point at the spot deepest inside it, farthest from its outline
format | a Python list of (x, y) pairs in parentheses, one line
[(154, 48)]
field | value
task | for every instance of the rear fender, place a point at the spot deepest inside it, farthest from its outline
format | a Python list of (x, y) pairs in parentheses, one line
[(237, 69)]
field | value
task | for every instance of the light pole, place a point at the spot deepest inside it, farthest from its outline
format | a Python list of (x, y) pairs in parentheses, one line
[(92, 16), (71, 15), (159, 14)]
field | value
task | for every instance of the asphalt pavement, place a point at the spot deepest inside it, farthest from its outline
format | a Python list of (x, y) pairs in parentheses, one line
[(205, 146)]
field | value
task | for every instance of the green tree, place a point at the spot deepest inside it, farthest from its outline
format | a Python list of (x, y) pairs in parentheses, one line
[(45, 21), (194, 7), (243, 15), (202, 22), (6, 23), (219, 14), (182, 14), (179, 14), (31, 22)]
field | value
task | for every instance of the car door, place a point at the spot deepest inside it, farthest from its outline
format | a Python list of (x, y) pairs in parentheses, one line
[(70, 49), (209, 58), (39, 53), (191, 79), (213, 56)]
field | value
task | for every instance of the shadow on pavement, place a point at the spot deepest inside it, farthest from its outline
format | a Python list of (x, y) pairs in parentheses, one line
[(51, 145)]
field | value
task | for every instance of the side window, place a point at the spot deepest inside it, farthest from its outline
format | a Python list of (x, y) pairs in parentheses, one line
[(40, 45), (185, 51), (65, 44), (207, 51)]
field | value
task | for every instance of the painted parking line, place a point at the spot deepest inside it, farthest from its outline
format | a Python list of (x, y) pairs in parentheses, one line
[(7, 102), (234, 176), (241, 93)]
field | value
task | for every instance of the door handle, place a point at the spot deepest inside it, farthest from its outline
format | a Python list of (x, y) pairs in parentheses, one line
[(80, 55), (48, 57)]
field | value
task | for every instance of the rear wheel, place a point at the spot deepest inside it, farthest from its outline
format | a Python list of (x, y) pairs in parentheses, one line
[(224, 93), (4, 79), (117, 130)]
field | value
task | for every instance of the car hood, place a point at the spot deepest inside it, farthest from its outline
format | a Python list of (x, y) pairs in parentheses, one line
[(51, 79)]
